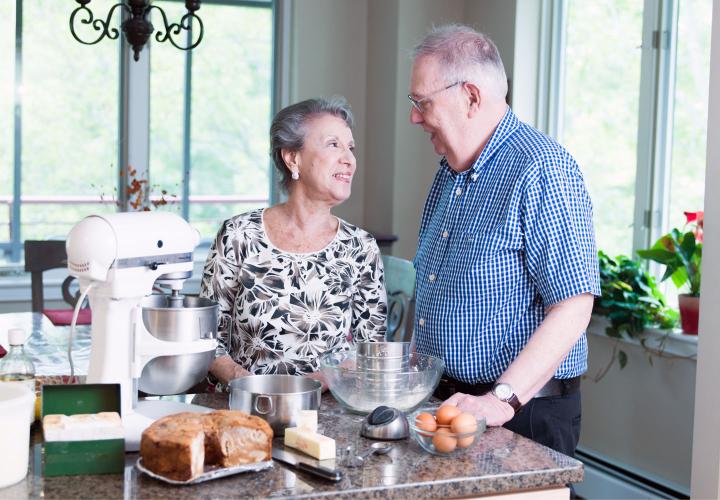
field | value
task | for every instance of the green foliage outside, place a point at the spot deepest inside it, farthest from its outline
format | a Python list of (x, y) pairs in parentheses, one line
[(70, 102), (631, 301)]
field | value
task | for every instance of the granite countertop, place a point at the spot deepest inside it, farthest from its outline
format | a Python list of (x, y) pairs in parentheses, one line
[(501, 462)]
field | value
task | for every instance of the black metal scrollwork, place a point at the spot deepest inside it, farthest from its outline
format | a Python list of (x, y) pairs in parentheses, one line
[(177, 28), (137, 27)]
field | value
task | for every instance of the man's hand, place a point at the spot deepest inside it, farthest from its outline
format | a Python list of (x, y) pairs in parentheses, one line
[(494, 411)]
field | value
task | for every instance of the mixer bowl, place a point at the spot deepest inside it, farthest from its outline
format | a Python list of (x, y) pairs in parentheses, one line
[(196, 319), (361, 391)]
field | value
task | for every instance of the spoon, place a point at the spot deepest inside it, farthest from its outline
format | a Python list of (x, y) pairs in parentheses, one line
[(375, 448)]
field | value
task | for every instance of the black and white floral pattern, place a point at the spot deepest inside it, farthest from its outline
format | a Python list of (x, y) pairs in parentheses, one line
[(279, 311)]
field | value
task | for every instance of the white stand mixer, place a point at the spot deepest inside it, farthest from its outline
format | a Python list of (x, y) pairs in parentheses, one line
[(120, 257)]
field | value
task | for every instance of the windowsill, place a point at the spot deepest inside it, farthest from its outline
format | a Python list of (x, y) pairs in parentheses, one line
[(674, 343)]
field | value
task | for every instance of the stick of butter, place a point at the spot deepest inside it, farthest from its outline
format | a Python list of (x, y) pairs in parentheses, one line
[(314, 444), (83, 427), (308, 420)]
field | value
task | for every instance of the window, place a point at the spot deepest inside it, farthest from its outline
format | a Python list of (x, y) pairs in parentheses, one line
[(227, 115), (60, 119), (633, 111), (600, 111)]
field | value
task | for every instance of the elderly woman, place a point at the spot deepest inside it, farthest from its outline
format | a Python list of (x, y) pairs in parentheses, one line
[(293, 281)]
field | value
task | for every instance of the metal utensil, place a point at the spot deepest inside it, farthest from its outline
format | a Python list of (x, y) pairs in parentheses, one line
[(277, 399), (385, 423), (291, 459), (195, 319), (375, 448)]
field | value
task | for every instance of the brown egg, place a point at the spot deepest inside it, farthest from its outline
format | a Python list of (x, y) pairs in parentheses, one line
[(446, 413), (443, 441), (426, 422), (463, 423), (465, 442)]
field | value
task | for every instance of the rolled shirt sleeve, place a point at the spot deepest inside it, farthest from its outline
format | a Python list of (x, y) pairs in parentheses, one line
[(560, 247)]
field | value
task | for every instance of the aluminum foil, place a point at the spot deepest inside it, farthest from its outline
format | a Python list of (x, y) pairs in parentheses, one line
[(210, 472)]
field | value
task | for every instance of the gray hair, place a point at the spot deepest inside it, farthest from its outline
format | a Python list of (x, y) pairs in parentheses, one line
[(465, 55), (287, 130)]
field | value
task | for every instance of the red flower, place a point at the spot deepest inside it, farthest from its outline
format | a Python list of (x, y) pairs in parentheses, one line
[(697, 218)]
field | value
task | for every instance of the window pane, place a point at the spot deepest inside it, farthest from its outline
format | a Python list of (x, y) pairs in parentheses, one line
[(167, 90), (600, 113), (230, 117), (231, 113), (69, 120), (690, 115), (7, 86)]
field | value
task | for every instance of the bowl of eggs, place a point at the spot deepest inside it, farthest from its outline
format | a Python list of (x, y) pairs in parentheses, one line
[(448, 432)]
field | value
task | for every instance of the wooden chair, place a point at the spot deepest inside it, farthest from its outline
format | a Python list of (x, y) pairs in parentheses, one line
[(41, 256), (400, 287)]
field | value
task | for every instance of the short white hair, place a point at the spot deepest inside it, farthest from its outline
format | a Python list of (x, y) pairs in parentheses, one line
[(465, 55)]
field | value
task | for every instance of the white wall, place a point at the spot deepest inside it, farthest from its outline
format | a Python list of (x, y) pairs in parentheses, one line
[(706, 442), (329, 56), (641, 416)]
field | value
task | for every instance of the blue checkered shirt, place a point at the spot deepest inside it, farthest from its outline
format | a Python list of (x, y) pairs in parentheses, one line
[(499, 243)]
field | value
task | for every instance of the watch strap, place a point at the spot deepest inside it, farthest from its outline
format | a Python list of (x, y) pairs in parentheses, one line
[(512, 399), (514, 402)]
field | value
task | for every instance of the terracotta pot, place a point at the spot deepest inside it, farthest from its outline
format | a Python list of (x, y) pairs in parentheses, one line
[(689, 313)]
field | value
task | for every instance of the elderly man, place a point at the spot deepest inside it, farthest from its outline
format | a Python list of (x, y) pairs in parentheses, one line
[(506, 261)]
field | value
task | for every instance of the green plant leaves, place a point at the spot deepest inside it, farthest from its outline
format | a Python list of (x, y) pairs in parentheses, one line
[(630, 298), (622, 359), (682, 256)]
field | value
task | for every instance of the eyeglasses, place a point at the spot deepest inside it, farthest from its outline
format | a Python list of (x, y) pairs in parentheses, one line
[(421, 104)]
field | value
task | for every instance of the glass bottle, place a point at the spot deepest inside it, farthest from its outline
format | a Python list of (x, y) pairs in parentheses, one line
[(16, 366)]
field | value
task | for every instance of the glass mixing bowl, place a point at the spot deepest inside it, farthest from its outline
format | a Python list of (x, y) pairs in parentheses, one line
[(361, 391), (443, 441)]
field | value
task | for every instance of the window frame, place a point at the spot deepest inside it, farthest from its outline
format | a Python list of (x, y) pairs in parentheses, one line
[(134, 104), (655, 124)]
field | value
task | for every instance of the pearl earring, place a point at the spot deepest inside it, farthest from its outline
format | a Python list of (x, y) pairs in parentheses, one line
[(295, 175)]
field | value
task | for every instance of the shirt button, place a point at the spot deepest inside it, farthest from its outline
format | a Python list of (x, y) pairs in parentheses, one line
[(445, 234), (474, 177), (421, 322), (432, 277), (458, 191)]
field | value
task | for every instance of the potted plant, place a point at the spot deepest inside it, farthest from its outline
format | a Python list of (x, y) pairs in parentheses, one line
[(681, 253), (631, 301)]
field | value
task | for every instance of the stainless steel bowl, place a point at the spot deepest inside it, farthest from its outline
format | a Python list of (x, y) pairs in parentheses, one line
[(196, 319), (383, 356), (277, 399)]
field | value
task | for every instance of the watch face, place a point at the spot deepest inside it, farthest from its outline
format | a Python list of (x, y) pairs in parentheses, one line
[(503, 391)]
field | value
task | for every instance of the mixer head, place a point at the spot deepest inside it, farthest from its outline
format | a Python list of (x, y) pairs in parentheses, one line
[(132, 250)]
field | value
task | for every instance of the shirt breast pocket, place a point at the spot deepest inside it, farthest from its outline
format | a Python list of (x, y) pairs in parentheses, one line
[(487, 262)]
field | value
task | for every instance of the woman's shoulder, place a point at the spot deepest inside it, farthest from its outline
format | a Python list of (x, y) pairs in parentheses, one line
[(243, 223), (352, 235)]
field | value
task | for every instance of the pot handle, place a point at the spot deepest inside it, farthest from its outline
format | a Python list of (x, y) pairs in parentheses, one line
[(264, 404)]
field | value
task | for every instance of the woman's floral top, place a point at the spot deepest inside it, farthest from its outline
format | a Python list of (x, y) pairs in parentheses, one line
[(278, 310)]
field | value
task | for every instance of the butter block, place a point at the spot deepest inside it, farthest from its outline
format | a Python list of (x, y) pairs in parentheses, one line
[(316, 445), (291, 436), (308, 420), (83, 427)]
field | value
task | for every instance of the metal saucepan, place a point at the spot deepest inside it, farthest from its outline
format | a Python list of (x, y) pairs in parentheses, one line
[(278, 399)]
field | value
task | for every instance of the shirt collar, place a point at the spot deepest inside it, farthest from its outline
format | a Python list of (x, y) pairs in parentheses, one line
[(507, 126)]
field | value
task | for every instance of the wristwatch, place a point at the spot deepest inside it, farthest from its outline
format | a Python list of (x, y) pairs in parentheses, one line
[(504, 392)]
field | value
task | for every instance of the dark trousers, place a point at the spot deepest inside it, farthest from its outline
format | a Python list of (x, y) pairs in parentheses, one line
[(553, 421)]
